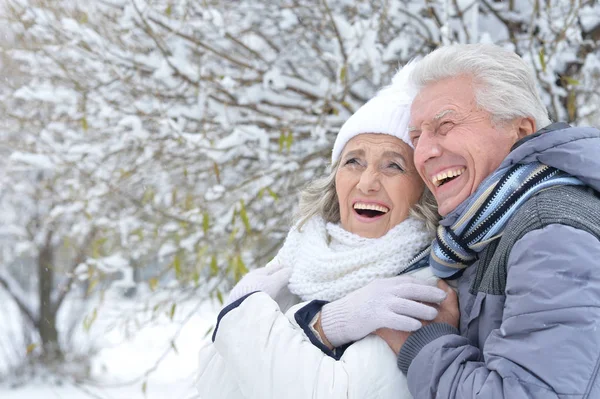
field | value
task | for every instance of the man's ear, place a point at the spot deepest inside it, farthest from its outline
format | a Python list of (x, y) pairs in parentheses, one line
[(525, 127)]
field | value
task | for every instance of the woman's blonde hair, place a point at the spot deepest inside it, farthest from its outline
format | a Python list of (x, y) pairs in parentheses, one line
[(319, 198)]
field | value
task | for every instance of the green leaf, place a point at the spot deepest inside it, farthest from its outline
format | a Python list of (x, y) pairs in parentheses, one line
[(172, 311), (174, 196), (174, 347), (233, 234), (189, 202), (220, 297), (542, 59), (139, 233), (210, 329), (273, 194), (89, 320), (234, 216), (572, 105), (244, 216), (217, 172), (343, 73), (282, 140), (92, 284), (288, 141), (148, 196), (205, 222), (177, 265), (31, 348), (214, 266), (83, 19), (201, 252), (571, 81), (169, 10), (84, 124), (240, 268), (144, 387), (153, 283)]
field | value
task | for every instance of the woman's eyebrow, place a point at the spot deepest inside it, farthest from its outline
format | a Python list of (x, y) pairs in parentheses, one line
[(355, 153), (393, 154)]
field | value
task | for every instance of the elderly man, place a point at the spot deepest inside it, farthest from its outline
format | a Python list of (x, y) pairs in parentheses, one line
[(520, 235)]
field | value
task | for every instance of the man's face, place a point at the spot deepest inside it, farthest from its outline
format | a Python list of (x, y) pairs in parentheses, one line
[(456, 145)]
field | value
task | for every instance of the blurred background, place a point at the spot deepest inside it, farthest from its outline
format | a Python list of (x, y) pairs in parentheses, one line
[(151, 153)]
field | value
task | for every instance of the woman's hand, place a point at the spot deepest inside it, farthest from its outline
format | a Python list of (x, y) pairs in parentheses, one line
[(269, 279), (448, 312), (387, 303)]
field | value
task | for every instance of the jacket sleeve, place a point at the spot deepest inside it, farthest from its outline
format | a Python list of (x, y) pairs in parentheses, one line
[(548, 344), (214, 380), (269, 356)]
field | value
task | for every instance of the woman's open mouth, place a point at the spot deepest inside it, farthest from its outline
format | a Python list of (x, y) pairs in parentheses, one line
[(370, 211)]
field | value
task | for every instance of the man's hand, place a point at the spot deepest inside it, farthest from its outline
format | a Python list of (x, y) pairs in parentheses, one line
[(447, 313)]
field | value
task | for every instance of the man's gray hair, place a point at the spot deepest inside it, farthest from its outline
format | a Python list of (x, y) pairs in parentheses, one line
[(504, 84), (319, 198)]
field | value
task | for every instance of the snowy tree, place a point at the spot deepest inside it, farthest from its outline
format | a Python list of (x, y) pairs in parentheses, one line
[(170, 138)]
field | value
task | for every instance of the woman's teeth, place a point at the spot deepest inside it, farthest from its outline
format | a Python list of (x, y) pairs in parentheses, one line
[(441, 178), (371, 207)]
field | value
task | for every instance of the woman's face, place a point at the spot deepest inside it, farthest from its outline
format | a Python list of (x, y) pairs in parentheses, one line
[(376, 184)]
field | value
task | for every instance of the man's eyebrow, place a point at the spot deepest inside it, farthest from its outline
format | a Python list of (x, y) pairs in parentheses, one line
[(437, 117), (441, 114)]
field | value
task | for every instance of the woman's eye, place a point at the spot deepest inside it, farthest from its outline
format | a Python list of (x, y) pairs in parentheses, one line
[(394, 165), (351, 161)]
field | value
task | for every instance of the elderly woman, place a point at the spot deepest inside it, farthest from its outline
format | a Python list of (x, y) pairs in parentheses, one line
[(348, 268)]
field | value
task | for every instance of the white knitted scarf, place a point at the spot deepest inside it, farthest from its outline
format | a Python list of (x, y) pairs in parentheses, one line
[(329, 262)]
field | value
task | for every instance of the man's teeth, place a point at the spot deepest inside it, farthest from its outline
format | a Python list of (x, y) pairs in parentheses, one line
[(439, 178), (371, 207)]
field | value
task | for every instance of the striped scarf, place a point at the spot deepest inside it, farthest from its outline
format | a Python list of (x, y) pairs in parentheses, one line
[(487, 213)]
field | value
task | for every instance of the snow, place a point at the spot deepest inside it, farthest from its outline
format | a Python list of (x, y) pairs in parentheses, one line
[(38, 160), (118, 369), (116, 124)]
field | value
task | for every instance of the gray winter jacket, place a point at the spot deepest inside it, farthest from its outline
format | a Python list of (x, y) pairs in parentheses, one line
[(530, 305)]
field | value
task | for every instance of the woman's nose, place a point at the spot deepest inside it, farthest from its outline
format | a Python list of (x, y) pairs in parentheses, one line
[(369, 181)]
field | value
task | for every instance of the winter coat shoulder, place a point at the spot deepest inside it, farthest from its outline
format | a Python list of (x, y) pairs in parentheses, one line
[(529, 305), (260, 352)]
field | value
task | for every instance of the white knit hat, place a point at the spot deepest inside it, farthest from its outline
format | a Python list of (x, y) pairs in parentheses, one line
[(386, 113)]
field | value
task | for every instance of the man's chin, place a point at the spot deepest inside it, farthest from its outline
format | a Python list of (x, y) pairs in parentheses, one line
[(447, 205)]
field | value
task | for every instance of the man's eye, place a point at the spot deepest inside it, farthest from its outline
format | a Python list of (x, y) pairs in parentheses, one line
[(351, 161), (394, 165), (446, 126)]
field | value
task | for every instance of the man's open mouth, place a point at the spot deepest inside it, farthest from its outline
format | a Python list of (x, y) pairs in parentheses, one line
[(443, 178), (370, 210)]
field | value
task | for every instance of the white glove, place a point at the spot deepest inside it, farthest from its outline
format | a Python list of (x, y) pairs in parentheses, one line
[(389, 303), (269, 279)]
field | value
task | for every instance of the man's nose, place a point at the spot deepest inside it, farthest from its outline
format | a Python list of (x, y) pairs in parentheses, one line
[(369, 181), (427, 147)]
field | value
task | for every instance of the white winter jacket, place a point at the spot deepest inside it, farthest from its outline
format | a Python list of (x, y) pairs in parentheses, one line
[(258, 352)]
